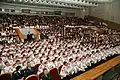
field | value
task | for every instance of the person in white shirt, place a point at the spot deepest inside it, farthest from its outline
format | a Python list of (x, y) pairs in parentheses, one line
[(2, 65), (50, 64), (64, 70), (72, 69), (8, 68), (18, 63)]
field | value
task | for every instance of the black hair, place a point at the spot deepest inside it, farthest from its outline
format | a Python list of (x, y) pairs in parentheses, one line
[(64, 63), (44, 69), (70, 59), (17, 68), (6, 62)]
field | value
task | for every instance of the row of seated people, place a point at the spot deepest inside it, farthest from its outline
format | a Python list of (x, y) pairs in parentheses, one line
[(25, 20), (53, 74), (88, 36), (51, 53), (19, 72), (30, 74), (55, 23), (9, 39), (7, 34)]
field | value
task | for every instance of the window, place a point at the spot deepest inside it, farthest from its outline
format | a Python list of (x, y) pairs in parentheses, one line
[(42, 12), (57, 12), (37, 12), (26, 10), (12, 10), (51, 13), (6, 10)]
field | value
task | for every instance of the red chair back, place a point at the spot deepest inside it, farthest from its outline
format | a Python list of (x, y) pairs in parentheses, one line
[(54, 73), (32, 77), (36, 67), (6, 76)]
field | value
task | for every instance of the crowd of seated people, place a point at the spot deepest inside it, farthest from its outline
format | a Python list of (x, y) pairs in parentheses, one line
[(7, 33), (55, 23), (75, 54), (51, 53)]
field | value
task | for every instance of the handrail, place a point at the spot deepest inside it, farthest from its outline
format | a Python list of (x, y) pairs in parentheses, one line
[(99, 70)]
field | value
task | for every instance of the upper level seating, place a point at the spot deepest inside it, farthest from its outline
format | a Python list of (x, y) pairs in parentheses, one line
[(55, 23)]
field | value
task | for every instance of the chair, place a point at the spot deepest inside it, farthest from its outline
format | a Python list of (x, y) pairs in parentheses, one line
[(54, 73), (6, 76), (36, 67), (59, 68), (32, 77)]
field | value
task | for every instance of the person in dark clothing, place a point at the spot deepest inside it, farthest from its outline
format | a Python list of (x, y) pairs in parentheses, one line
[(47, 75), (29, 70), (29, 36), (17, 74)]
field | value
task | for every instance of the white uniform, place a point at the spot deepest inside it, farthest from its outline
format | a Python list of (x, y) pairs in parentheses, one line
[(50, 65), (64, 71), (2, 65), (7, 69)]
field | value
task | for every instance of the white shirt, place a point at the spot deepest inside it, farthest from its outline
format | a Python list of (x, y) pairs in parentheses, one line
[(7, 69), (64, 71)]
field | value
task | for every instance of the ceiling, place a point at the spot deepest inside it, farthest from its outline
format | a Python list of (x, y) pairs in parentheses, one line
[(63, 3)]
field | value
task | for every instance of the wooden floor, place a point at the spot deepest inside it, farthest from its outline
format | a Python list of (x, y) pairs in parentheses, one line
[(99, 70)]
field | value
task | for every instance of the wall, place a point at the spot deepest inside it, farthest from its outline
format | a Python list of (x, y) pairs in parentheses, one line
[(108, 11), (33, 8), (79, 12)]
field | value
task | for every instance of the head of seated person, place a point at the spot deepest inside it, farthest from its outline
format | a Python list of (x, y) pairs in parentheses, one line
[(45, 71), (17, 74)]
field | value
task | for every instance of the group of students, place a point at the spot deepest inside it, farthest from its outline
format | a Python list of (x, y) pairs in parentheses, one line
[(21, 74), (75, 54), (50, 54), (55, 24)]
